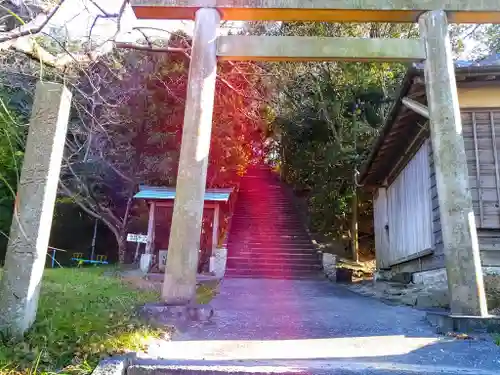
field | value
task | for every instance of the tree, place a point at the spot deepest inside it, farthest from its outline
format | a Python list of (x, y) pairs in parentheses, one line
[(127, 126)]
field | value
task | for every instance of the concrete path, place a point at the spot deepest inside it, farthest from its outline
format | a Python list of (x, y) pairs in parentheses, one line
[(313, 324)]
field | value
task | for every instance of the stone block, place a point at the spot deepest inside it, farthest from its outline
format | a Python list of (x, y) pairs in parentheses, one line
[(114, 366), (162, 260), (393, 276), (409, 299), (402, 277), (432, 277), (445, 323), (330, 266), (432, 298), (218, 262), (145, 262)]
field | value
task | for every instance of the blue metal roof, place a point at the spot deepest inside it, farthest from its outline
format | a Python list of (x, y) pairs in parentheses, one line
[(491, 60), (168, 193)]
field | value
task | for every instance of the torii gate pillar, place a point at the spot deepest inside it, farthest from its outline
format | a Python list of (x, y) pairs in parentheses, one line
[(461, 249), (179, 286)]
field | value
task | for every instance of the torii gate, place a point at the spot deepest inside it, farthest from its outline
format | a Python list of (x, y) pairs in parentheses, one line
[(463, 265)]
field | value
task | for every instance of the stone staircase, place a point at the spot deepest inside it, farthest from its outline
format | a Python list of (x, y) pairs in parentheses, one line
[(267, 238)]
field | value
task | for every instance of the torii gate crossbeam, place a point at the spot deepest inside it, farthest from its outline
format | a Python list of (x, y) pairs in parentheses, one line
[(458, 11)]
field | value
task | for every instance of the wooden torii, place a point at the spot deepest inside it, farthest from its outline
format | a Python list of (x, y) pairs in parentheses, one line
[(463, 263)]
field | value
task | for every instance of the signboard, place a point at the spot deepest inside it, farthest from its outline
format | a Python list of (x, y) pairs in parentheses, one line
[(132, 237)]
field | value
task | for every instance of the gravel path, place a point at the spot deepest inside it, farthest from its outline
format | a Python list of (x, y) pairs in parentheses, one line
[(315, 320)]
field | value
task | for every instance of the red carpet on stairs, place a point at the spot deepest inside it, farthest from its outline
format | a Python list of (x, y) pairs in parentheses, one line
[(267, 239)]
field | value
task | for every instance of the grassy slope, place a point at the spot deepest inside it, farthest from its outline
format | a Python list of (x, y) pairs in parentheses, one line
[(82, 317)]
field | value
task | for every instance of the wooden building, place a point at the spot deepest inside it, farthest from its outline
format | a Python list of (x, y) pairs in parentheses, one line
[(400, 173)]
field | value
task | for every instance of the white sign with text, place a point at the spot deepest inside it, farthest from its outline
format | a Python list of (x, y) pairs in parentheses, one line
[(132, 237)]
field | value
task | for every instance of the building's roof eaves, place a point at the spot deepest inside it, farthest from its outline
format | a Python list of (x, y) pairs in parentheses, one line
[(489, 65)]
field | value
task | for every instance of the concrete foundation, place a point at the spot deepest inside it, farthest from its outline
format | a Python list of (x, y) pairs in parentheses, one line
[(438, 276), (446, 323)]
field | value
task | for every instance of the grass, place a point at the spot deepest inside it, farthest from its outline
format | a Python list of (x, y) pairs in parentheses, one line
[(496, 338), (83, 316)]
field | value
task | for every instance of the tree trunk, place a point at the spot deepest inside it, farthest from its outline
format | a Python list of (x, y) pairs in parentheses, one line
[(122, 247), (121, 236), (354, 227)]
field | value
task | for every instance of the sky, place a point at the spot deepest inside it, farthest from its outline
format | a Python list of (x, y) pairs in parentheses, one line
[(77, 16)]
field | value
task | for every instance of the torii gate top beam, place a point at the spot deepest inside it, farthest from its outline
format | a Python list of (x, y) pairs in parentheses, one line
[(459, 11)]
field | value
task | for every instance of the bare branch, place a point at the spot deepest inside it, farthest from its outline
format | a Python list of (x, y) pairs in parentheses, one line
[(30, 28), (140, 47)]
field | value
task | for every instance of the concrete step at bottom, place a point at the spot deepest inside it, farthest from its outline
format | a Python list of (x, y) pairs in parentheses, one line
[(294, 367)]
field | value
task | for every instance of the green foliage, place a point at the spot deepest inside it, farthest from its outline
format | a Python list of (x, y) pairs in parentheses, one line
[(12, 141), (496, 338), (82, 317), (327, 117)]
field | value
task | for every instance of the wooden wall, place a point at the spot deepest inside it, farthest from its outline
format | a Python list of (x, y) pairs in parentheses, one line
[(404, 227), (481, 129)]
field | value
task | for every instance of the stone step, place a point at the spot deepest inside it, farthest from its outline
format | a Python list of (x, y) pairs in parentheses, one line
[(238, 262), (286, 255), (276, 268), (255, 244), (271, 252), (273, 274), (256, 251), (292, 228), (248, 239), (285, 214), (268, 236), (244, 240), (249, 203), (326, 366), (286, 225), (276, 219)]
